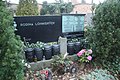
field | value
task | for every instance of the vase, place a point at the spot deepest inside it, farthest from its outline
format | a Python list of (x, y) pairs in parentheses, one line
[(77, 47), (48, 52), (38, 52), (70, 48), (29, 54), (55, 49)]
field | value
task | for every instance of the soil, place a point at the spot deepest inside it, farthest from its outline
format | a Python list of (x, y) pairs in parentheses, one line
[(74, 76), (81, 71)]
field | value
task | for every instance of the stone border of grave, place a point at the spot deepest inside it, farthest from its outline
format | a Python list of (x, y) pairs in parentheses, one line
[(45, 63)]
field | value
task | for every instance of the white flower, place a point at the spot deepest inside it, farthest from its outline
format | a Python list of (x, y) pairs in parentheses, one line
[(26, 64), (22, 61), (90, 51), (29, 66)]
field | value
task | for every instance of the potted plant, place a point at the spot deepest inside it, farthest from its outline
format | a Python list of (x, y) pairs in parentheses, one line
[(35, 50)]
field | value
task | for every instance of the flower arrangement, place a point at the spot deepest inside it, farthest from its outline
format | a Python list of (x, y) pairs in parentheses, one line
[(84, 55)]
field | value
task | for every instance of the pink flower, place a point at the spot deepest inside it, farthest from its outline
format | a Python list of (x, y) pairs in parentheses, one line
[(89, 58), (81, 52), (90, 51)]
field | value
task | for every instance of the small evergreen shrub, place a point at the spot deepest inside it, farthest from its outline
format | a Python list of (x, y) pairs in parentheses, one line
[(11, 67), (99, 75)]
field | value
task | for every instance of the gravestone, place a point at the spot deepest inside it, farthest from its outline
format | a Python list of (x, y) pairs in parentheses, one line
[(49, 28), (38, 28), (63, 45)]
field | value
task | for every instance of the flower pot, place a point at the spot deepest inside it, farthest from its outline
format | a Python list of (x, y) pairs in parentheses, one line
[(70, 48), (77, 47), (38, 52), (29, 54), (55, 49), (48, 52)]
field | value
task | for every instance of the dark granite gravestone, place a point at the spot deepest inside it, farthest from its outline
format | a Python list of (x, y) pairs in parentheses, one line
[(39, 28), (49, 28)]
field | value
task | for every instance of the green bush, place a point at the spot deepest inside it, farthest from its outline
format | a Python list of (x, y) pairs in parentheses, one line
[(104, 37), (11, 67), (113, 66)]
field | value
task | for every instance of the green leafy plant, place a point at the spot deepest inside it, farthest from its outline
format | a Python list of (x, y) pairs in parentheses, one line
[(99, 74), (61, 64), (34, 45), (38, 44), (84, 55), (57, 60)]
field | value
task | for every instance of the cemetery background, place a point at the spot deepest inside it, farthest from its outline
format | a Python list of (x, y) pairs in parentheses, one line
[(114, 69)]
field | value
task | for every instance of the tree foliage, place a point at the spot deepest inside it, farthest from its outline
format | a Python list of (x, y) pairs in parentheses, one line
[(56, 8), (105, 35), (11, 67), (27, 7)]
